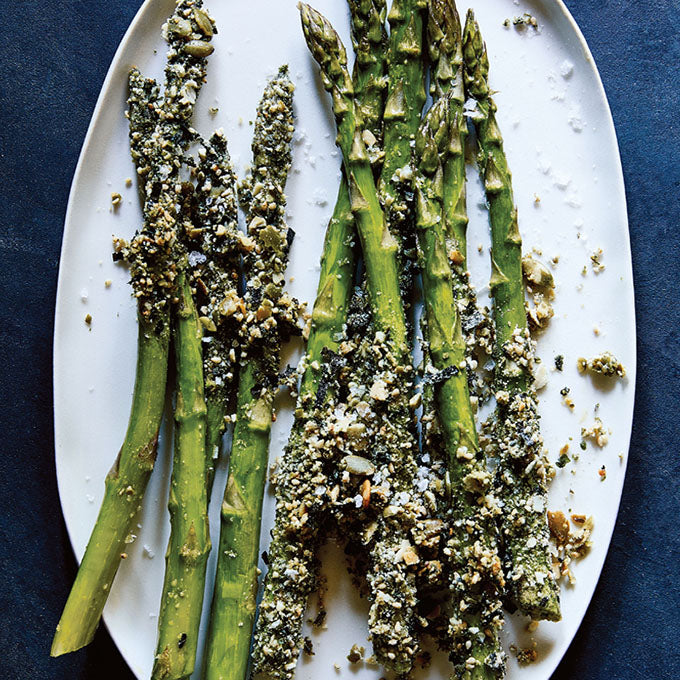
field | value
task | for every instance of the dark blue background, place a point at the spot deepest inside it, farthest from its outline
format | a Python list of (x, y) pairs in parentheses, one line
[(53, 59)]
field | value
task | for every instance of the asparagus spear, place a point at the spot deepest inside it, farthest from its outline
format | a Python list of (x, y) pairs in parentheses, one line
[(156, 146), (209, 235), (391, 584), (125, 485), (475, 567), (189, 545), (294, 543), (270, 316), (338, 262), (405, 100), (522, 471), (369, 38), (214, 253), (446, 55), (378, 244)]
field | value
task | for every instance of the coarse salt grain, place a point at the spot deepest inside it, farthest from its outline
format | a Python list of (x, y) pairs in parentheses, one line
[(566, 69)]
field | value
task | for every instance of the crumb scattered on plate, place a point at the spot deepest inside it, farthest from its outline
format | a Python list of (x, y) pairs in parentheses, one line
[(604, 364)]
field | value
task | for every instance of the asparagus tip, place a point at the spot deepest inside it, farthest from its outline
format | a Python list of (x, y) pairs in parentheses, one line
[(476, 59), (443, 23), (323, 41)]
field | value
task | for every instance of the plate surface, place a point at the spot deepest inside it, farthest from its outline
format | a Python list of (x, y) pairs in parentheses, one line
[(562, 149)]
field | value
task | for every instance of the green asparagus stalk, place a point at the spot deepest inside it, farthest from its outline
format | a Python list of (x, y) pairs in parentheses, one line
[(338, 263), (294, 544), (127, 480), (378, 244), (215, 243), (152, 255), (270, 316), (446, 55), (391, 626), (475, 566), (403, 108), (125, 486), (522, 471), (189, 545), (208, 215), (369, 38)]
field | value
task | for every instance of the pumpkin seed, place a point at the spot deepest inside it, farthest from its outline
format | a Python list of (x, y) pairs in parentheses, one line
[(199, 48), (208, 323), (537, 273), (203, 21)]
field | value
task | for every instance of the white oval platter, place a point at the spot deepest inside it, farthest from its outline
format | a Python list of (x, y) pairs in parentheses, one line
[(562, 149)]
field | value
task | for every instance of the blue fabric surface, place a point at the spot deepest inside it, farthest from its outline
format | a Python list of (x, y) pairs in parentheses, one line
[(53, 59)]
